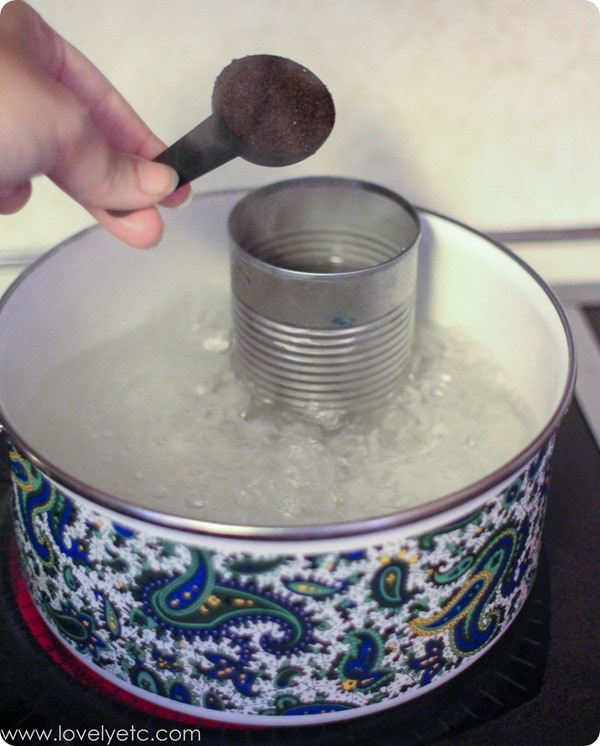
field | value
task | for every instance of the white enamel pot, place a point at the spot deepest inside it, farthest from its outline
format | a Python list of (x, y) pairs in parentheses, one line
[(271, 625)]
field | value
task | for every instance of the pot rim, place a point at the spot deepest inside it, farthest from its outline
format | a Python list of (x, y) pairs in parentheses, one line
[(302, 532)]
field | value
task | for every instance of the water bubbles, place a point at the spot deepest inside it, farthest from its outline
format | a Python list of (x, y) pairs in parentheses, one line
[(159, 493), (217, 343), (328, 420), (197, 504), (168, 425)]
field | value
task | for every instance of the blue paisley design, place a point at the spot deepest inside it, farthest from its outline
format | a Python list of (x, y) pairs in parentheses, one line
[(222, 627), (389, 584), (360, 666), (468, 615), (180, 693), (79, 627), (110, 616), (37, 498), (226, 667), (147, 679), (196, 603), (34, 497), (292, 707), (431, 663)]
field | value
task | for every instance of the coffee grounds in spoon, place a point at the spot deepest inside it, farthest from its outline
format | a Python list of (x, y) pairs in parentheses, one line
[(274, 105)]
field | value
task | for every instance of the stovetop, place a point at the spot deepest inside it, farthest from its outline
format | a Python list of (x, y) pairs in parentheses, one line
[(539, 685)]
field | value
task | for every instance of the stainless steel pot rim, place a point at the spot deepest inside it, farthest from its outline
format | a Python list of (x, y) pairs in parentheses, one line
[(306, 532)]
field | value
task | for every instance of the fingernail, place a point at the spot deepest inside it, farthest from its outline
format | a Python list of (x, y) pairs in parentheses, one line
[(156, 179), (187, 201)]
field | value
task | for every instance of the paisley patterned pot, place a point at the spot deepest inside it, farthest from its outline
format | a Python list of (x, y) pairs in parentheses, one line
[(271, 625)]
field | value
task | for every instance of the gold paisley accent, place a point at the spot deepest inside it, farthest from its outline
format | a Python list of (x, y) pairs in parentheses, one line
[(454, 612)]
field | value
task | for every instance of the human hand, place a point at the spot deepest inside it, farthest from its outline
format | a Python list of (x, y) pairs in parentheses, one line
[(61, 117)]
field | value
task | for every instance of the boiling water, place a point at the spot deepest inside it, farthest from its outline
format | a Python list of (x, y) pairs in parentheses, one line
[(159, 418)]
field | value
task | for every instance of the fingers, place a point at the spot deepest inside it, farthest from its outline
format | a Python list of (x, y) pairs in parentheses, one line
[(60, 116), (180, 198), (141, 229), (13, 199), (45, 129), (65, 64), (94, 174)]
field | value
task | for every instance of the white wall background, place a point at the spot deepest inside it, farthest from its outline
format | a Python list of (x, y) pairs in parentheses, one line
[(485, 110)]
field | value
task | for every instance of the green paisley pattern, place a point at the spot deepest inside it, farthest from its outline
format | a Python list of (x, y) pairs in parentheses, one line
[(211, 629)]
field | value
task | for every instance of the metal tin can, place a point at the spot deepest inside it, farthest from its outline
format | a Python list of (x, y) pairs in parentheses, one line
[(324, 280)]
